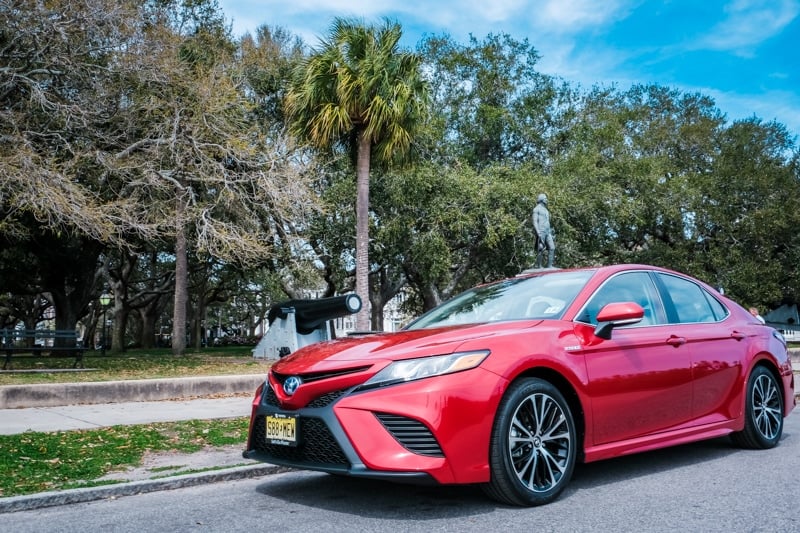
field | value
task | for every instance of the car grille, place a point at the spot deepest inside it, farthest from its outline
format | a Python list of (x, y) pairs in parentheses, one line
[(270, 398), (412, 434), (326, 399), (316, 447)]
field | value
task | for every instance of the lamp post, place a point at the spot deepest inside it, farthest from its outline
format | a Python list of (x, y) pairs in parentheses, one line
[(105, 299)]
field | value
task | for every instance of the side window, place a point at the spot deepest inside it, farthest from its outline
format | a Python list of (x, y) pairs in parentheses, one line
[(720, 311), (691, 302), (627, 287)]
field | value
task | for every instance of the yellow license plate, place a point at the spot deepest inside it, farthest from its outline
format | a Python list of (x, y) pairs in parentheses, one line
[(282, 429)]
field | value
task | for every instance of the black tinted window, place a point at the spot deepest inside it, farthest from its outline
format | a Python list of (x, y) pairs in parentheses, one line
[(720, 311), (691, 302)]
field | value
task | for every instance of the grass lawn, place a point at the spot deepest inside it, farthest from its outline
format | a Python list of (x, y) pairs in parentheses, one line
[(134, 364), (36, 462)]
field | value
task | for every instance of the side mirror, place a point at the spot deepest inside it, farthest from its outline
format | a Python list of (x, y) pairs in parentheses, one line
[(617, 314)]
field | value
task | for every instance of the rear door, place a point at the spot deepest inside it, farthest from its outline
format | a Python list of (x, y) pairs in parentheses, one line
[(714, 343)]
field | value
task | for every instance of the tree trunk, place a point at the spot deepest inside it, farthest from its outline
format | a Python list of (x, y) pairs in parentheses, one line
[(67, 268), (198, 334), (181, 284), (362, 231), (385, 286), (430, 297), (118, 326), (198, 320), (117, 313), (151, 312), (147, 335), (376, 316)]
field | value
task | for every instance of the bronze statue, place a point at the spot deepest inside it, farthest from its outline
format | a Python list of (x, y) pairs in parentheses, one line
[(543, 231)]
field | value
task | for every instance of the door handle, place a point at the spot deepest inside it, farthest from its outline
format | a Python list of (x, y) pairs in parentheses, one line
[(738, 335), (676, 341)]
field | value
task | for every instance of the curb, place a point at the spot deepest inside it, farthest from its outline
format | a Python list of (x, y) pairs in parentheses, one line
[(51, 499), (140, 390)]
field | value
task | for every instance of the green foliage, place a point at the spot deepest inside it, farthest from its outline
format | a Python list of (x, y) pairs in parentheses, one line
[(745, 219), (490, 104), (359, 80), (449, 228), (268, 59), (655, 176)]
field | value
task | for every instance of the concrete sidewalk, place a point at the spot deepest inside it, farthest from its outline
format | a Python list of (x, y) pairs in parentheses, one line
[(71, 417)]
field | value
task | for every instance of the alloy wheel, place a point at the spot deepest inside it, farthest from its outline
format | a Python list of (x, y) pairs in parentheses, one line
[(539, 442)]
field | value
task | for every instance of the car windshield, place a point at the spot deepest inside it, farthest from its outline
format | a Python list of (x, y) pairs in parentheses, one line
[(545, 295)]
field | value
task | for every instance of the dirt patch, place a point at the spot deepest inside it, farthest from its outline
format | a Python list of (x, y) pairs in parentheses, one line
[(162, 464)]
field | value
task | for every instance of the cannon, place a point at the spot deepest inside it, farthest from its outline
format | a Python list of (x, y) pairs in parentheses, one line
[(297, 323)]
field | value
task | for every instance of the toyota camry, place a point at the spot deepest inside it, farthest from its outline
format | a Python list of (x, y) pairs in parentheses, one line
[(510, 384)]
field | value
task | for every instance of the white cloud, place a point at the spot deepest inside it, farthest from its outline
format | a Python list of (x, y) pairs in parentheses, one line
[(588, 67), (781, 106), (572, 16), (365, 8), (749, 22), (548, 17), (495, 11)]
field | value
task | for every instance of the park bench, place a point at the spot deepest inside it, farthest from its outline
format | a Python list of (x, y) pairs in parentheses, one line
[(57, 342)]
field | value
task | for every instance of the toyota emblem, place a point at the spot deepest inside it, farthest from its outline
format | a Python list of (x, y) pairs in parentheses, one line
[(291, 384)]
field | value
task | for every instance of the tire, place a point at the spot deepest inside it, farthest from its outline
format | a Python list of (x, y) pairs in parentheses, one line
[(533, 445), (763, 412)]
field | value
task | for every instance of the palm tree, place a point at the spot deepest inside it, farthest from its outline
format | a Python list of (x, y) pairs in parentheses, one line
[(360, 90)]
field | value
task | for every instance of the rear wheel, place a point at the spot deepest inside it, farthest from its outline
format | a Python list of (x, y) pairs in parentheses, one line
[(533, 445), (763, 416)]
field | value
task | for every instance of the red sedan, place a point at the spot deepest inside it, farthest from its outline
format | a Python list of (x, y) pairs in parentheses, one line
[(510, 384)]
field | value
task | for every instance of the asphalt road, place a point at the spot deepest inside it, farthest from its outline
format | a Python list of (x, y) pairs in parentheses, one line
[(708, 486)]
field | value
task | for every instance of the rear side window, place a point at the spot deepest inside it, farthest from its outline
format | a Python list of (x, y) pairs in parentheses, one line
[(690, 302)]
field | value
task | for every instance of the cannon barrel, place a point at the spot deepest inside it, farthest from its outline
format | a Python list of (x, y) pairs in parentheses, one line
[(309, 314)]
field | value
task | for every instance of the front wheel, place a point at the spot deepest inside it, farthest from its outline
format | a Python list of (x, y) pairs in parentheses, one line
[(763, 412), (533, 445)]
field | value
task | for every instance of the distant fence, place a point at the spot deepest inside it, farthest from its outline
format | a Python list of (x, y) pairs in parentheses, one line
[(790, 331)]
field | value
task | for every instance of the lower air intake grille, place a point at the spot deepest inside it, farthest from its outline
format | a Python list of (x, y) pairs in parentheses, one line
[(269, 396), (412, 434), (326, 399), (317, 445)]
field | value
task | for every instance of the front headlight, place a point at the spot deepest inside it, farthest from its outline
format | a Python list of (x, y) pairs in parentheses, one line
[(425, 367)]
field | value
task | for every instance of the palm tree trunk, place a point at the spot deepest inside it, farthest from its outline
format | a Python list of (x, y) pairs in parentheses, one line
[(362, 231)]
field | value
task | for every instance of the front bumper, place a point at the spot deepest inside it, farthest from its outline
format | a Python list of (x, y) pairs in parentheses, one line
[(434, 430)]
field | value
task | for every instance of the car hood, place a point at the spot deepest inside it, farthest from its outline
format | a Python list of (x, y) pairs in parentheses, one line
[(368, 349)]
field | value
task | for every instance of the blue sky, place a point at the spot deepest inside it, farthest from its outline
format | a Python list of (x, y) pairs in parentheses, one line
[(743, 53)]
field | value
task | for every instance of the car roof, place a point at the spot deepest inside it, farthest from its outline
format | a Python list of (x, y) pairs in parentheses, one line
[(606, 270)]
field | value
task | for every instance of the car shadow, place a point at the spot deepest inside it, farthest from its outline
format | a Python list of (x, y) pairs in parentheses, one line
[(377, 499), (383, 499), (628, 467)]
